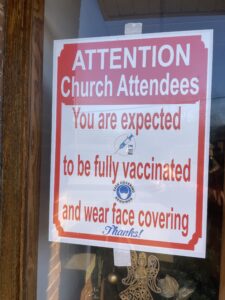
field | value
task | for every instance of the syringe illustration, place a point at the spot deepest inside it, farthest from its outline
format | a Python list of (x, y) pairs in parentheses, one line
[(125, 142)]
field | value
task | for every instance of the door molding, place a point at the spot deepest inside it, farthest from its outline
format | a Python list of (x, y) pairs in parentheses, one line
[(21, 123)]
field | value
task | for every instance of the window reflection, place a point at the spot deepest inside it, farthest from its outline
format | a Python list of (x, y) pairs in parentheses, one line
[(77, 272)]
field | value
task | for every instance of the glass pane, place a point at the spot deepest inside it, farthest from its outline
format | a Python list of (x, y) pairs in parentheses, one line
[(67, 271)]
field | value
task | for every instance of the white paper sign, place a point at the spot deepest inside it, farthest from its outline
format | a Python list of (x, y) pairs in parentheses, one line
[(130, 139)]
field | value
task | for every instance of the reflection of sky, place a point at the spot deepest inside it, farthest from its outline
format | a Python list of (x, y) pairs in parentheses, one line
[(97, 26)]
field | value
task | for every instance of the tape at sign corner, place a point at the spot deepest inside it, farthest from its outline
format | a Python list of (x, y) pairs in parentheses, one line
[(122, 258)]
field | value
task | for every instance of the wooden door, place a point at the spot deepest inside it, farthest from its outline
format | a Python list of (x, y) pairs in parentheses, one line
[(20, 150)]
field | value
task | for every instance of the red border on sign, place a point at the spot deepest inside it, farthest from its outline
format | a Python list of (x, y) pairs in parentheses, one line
[(190, 245)]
